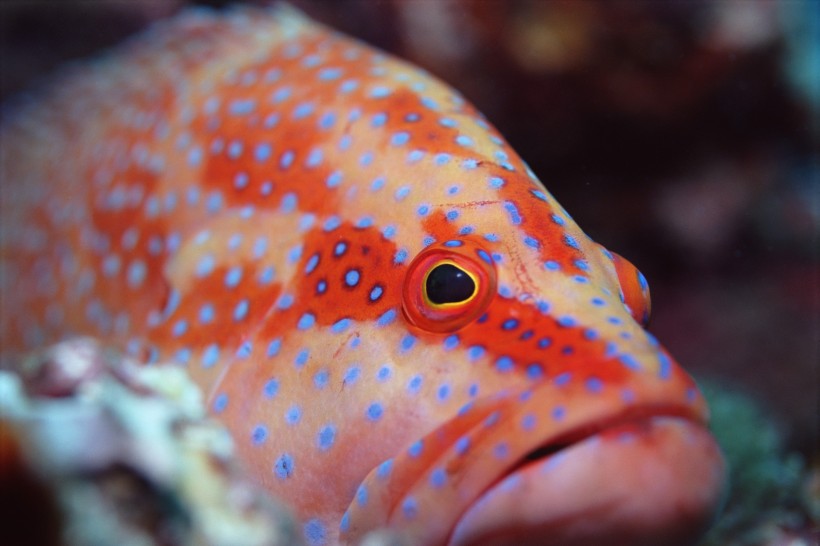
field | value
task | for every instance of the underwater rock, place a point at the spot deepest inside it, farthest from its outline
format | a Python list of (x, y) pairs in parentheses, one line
[(126, 455)]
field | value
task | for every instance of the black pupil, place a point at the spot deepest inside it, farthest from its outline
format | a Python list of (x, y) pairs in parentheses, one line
[(447, 283)]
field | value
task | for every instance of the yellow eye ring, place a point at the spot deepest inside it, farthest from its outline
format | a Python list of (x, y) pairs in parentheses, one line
[(448, 285)]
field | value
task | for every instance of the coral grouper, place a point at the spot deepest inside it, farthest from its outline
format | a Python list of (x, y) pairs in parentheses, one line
[(396, 321)]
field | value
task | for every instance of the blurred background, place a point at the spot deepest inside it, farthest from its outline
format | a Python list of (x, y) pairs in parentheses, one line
[(683, 135)]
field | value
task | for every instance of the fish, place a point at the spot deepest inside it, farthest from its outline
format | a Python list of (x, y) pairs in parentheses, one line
[(397, 322)]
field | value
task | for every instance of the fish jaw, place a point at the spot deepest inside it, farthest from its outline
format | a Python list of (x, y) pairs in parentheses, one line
[(492, 473), (652, 481)]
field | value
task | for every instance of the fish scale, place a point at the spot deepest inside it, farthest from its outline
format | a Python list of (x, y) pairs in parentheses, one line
[(261, 200)]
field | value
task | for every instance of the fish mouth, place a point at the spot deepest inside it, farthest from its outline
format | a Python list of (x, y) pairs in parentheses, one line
[(647, 476)]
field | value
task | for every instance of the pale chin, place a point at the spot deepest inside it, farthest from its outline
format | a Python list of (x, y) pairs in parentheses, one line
[(655, 482)]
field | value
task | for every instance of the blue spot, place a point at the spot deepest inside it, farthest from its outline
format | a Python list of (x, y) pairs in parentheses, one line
[(447, 122), (451, 342), (570, 241), (415, 449), (469, 164), (504, 364), (562, 379), (314, 158), (306, 321), (315, 532), (407, 342), (286, 159), (387, 318), (311, 264), (629, 361), (534, 371), (378, 183), (274, 346), (283, 468), (376, 293), (409, 508), (412, 117), (415, 156), (492, 237), (558, 412), (464, 140), (321, 286), (352, 277), (340, 248), (428, 240), (366, 159), (401, 256), (320, 379), (384, 373), (501, 450), (414, 385), (400, 139), (233, 276), (496, 182), (364, 222), (352, 375), (271, 388), (566, 321), (332, 223), (438, 478), (544, 342), (384, 469), (220, 403), (540, 195), (423, 210), (375, 411), (348, 86), (590, 334), (594, 384), (598, 302), (262, 152), (509, 324), (344, 525), (531, 242), (511, 209), (402, 192), (259, 434), (240, 311), (475, 352), (329, 73), (326, 437), (442, 159), (379, 119), (443, 392), (361, 495), (302, 110), (340, 326), (552, 265), (302, 358), (580, 278), (557, 219), (180, 328), (462, 445), (211, 355), (281, 94), (293, 415), (614, 320), (665, 366), (288, 202), (379, 92), (466, 230), (528, 422), (334, 179), (504, 291), (244, 350)]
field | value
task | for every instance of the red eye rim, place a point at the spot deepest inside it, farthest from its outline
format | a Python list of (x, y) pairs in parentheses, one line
[(448, 317)]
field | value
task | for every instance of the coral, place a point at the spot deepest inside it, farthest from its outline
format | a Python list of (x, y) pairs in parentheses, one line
[(127, 455), (769, 501)]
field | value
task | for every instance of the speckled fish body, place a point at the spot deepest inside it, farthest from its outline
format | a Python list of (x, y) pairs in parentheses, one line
[(270, 204)]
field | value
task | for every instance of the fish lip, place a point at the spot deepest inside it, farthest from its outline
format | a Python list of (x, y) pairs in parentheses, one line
[(553, 447), (584, 431), (638, 421)]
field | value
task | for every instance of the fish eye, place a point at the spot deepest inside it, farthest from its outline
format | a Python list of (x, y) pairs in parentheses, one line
[(448, 285)]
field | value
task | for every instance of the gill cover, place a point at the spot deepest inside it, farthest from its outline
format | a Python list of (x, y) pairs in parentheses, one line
[(448, 285)]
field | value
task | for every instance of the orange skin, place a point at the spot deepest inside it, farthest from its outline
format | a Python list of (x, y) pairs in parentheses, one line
[(254, 197)]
